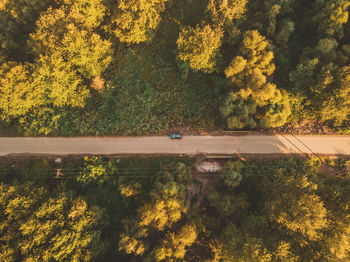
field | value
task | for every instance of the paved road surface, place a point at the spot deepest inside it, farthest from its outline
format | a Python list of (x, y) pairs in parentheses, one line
[(339, 145)]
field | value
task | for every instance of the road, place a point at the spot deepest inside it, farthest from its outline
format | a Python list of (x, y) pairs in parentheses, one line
[(331, 145)]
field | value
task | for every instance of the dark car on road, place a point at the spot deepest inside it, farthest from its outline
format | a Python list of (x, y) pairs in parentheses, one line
[(175, 136)]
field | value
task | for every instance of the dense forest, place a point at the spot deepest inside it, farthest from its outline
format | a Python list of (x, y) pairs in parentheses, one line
[(97, 67), (162, 209)]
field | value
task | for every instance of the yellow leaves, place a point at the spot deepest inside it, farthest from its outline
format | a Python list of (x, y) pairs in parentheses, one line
[(253, 41), (17, 95), (284, 254), (69, 52), (174, 245), (225, 11), (88, 12), (77, 45), (200, 47), (3, 4), (131, 245), (78, 209), (249, 72), (86, 50), (137, 20), (162, 213), (236, 66), (332, 17), (130, 190), (306, 214), (59, 82)]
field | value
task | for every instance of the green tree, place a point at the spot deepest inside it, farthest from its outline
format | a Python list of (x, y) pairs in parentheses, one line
[(240, 246), (17, 20), (238, 113), (200, 47), (232, 173)]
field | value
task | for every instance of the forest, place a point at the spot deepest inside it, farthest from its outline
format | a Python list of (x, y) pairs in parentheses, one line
[(133, 67), (162, 209)]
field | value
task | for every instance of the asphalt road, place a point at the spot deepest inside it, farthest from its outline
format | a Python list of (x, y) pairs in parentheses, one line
[(331, 145)]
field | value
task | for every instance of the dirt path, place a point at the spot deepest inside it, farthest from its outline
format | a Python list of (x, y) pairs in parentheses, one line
[(331, 145)]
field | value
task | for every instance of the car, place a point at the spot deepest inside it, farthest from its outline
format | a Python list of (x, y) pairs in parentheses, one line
[(175, 136)]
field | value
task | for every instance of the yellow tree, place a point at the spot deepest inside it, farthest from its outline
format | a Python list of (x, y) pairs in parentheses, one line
[(250, 74), (332, 17), (226, 13), (175, 244), (200, 47), (137, 20), (89, 12), (58, 82), (336, 108), (17, 95), (59, 33)]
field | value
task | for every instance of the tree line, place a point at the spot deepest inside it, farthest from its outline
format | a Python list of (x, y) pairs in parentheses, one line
[(136, 67), (161, 209)]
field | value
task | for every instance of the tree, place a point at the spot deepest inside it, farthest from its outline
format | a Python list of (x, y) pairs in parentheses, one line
[(241, 246), (331, 17), (304, 214), (163, 210), (39, 227), (283, 253), (294, 205), (60, 34), (95, 171), (200, 47), (226, 13), (238, 113), (17, 20), (89, 12), (156, 215), (17, 95), (137, 20), (232, 173), (58, 82), (175, 244), (249, 73), (337, 107), (335, 192), (277, 111), (250, 70), (228, 204)]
